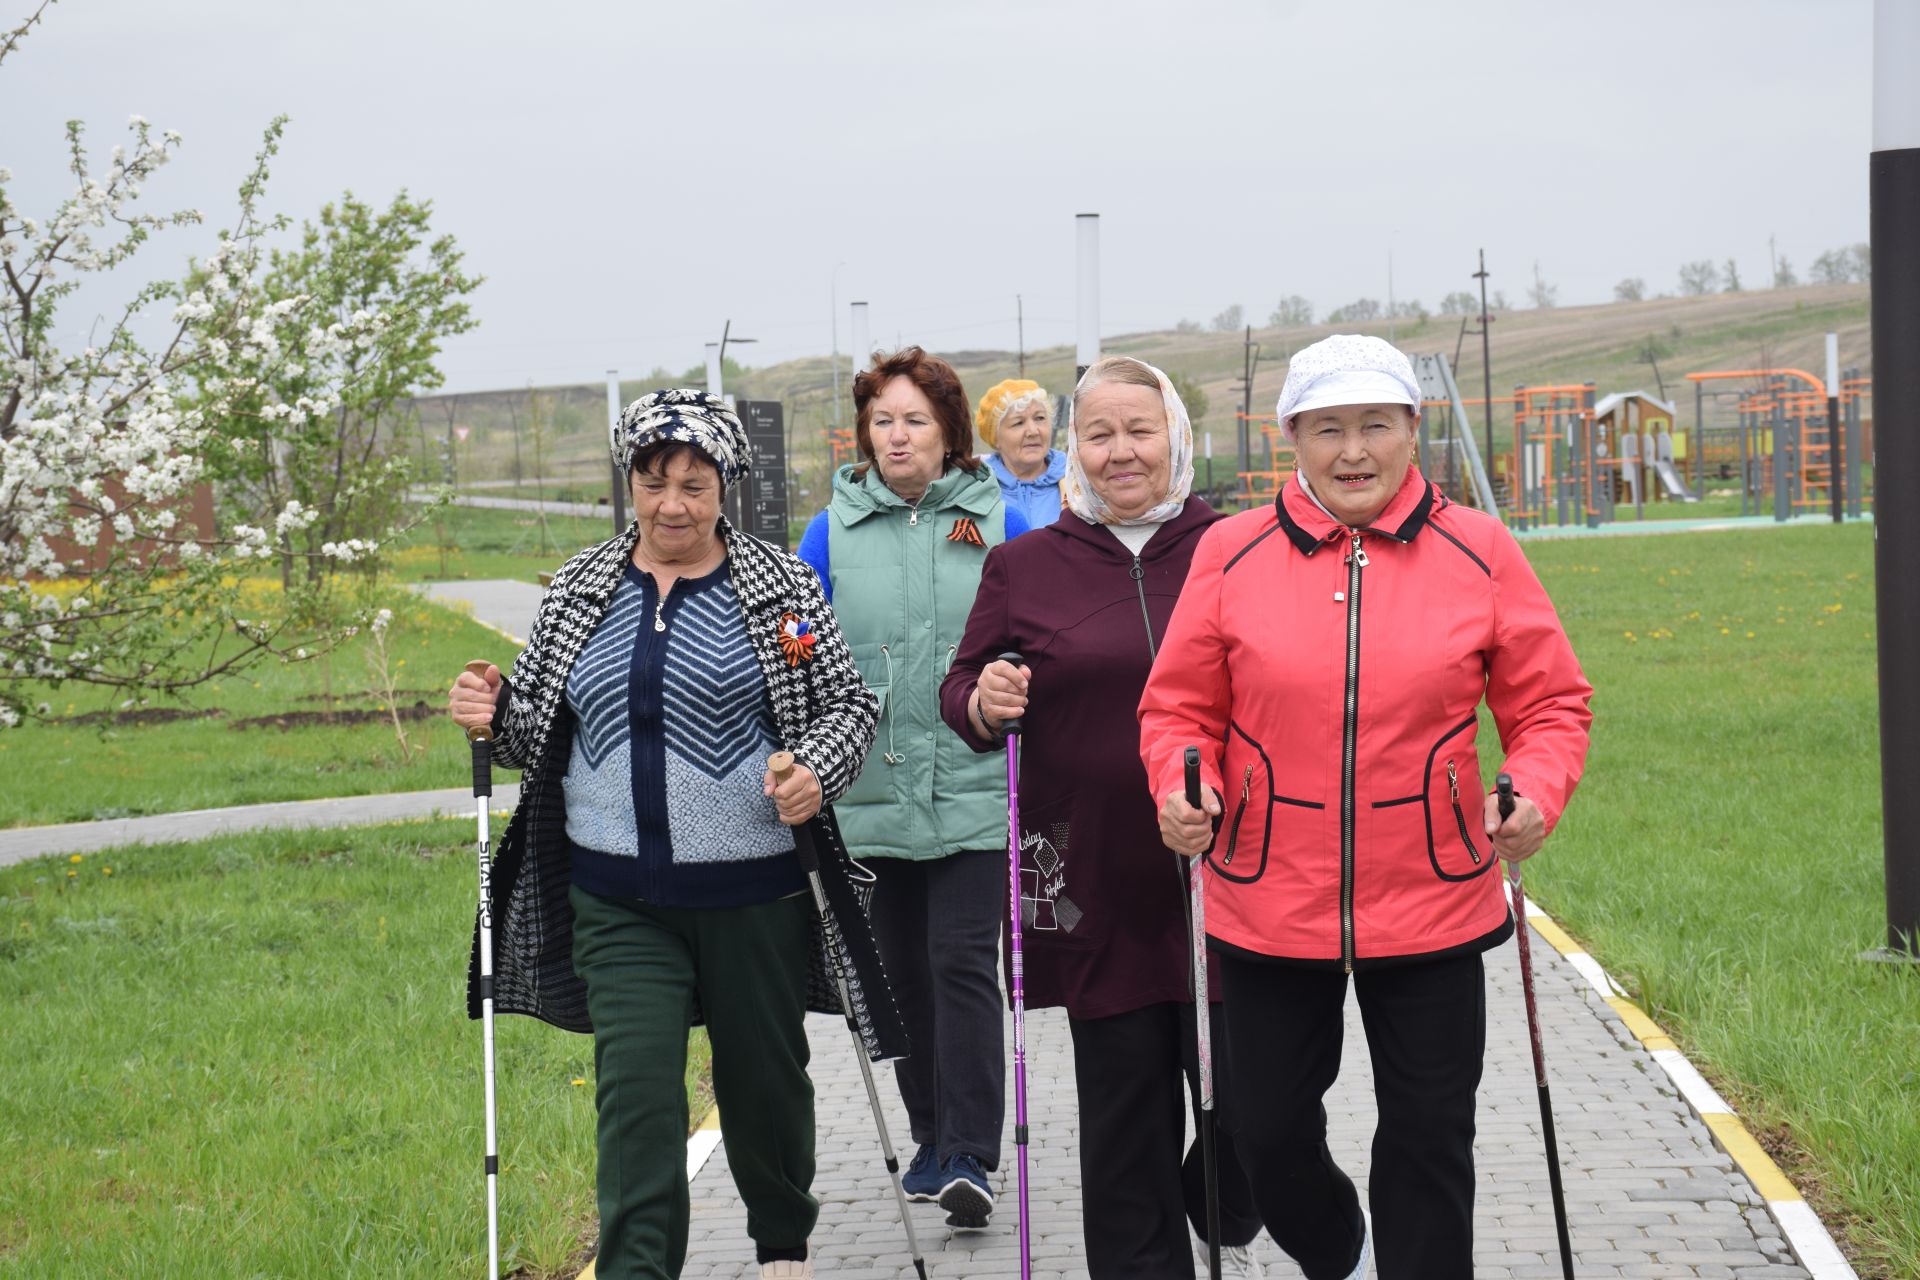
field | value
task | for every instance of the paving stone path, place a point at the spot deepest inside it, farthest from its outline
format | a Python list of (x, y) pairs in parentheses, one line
[(1648, 1193)]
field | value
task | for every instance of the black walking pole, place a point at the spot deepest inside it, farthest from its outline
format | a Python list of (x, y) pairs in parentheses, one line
[(780, 763), (1203, 1033), (480, 738), (1504, 786)]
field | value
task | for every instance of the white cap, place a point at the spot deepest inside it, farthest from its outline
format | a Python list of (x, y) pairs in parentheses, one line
[(1346, 368)]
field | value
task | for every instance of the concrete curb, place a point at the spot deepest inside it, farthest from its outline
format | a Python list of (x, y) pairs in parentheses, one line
[(1808, 1236)]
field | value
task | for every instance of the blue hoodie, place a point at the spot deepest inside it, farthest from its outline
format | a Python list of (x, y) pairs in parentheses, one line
[(1038, 500)]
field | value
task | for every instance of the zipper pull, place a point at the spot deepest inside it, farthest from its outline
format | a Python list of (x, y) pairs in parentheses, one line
[(659, 614), (1246, 785), (913, 517), (1453, 782), (1359, 552), (1136, 573)]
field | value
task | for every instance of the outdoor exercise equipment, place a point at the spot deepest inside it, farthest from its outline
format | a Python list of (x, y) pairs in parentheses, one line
[(1016, 981), (1503, 786), (1785, 442), (1203, 1032), (780, 764), (480, 739)]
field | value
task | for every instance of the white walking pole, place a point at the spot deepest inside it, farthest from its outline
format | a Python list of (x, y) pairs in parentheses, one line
[(480, 738)]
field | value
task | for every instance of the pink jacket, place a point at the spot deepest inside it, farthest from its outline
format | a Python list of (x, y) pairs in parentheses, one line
[(1331, 678)]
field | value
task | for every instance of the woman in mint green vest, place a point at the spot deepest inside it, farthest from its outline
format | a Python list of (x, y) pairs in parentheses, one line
[(899, 549)]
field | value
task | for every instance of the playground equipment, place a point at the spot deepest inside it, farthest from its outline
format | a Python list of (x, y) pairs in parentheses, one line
[(1643, 425), (1783, 444), (1437, 386), (842, 446), (1449, 453), (1576, 458), (1563, 462)]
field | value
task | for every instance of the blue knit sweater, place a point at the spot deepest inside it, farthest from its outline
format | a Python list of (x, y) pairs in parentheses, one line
[(672, 733)]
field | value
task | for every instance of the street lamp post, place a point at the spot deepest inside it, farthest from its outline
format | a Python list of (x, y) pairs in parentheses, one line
[(1893, 204)]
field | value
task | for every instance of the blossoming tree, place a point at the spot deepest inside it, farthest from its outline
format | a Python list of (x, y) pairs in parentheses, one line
[(103, 578)]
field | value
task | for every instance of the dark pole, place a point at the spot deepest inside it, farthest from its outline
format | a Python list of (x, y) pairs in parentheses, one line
[(1486, 355), (1020, 305), (1893, 206), (1836, 444), (619, 476)]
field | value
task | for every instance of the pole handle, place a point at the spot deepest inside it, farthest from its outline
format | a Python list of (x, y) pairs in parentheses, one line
[(780, 765), (1009, 728), (1503, 787), (1193, 776), (481, 732)]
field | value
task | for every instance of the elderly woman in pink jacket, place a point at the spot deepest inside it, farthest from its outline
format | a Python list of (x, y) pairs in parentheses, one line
[(1328, 658)]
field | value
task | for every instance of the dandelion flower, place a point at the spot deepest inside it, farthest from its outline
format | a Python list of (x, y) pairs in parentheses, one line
[(77, 858), (577, 1082), (72, 874), (106, 871)]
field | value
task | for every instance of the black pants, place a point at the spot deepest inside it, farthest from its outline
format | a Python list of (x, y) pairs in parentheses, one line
[(1427, 1033), (937, 923), (1138, 1190)]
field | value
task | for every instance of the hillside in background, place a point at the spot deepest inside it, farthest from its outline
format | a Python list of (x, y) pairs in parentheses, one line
[(560, 432)]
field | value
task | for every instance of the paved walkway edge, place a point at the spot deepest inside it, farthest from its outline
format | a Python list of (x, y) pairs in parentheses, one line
[(700, 1144), (18, 844), (1804, 1231)]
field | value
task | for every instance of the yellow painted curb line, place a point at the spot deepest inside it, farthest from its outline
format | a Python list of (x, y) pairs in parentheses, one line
[(1753, 1161), (1804, 1231)]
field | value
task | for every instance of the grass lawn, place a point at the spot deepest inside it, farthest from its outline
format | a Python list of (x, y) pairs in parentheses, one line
[(250, 1056), (1723, 858), (200, 752), (204, 752), (477, 542)]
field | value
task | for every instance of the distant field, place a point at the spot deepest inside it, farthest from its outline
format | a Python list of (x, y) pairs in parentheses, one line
[(1601, 344)]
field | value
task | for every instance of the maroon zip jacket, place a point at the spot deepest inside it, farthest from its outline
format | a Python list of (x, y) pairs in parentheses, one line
[(1104, 929)]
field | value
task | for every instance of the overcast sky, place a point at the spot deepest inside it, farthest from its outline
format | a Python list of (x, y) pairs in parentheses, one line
[(629, 176)]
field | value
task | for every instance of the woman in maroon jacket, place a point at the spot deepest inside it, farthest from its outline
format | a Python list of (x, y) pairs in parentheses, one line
[(1085, 601)]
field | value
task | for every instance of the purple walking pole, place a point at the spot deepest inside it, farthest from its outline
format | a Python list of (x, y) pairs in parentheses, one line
[(1016, 979)]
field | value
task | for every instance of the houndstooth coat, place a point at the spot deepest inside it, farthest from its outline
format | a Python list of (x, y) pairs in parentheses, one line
[(825, 715)]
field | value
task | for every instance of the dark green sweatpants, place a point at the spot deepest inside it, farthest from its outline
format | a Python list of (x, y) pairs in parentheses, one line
[(642, 966)]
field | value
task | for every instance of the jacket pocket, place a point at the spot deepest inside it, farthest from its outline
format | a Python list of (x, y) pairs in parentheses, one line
[(1245, 840), (1456, 847), (875, 782)]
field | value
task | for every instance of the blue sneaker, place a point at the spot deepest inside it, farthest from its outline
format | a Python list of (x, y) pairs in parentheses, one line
[(922, 1180), (966, 1196)]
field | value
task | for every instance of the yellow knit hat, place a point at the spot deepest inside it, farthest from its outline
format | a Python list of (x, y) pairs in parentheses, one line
[(994, 406)]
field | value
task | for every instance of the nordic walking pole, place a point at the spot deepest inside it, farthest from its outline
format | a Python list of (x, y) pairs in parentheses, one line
[(780, 764), (1203, 1034), (480, 738), (1016, 981), (1503, 785)]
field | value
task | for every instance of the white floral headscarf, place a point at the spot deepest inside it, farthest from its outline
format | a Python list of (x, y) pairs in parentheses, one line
[(1077, 493)]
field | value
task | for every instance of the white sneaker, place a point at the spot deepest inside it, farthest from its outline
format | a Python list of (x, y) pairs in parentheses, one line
[(1359, 1271), (789, 1270), (1237, 1262)]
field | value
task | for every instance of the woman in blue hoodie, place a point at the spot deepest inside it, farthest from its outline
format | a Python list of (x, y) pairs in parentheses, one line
[(1015, 420)]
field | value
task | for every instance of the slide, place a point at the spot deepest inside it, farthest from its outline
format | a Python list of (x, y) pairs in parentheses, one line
[(1675, 486)]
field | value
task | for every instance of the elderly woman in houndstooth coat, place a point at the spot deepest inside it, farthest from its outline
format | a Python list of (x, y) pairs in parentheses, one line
[(649, 879)]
